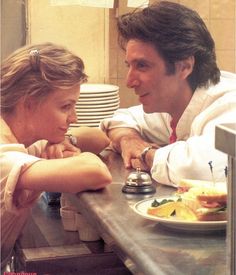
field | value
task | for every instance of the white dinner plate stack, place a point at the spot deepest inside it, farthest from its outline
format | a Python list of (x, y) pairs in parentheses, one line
[(96, 102)]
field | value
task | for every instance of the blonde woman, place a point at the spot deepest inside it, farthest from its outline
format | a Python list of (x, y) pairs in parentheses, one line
[(39, 89)]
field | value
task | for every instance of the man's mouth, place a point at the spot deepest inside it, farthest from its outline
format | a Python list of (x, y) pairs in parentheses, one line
[(143, 96)]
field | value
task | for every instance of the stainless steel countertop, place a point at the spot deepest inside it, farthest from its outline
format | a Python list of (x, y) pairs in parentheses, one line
[(147, 247), (225, 141), (44, 247)]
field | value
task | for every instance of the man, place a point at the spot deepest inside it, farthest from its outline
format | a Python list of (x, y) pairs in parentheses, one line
[(172, 68)]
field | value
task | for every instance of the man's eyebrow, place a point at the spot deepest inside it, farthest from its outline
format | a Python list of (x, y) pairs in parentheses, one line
[(137, 60)]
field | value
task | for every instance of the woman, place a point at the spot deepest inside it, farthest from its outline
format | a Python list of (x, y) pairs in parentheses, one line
[(39, 89)]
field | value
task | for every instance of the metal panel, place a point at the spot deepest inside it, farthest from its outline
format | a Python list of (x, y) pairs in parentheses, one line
[(226, 138), (225, 141)]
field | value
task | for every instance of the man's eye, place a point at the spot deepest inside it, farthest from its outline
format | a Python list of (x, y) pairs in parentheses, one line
[(141, 65)]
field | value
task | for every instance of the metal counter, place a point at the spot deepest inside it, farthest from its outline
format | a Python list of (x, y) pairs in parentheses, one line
[(225, 141), (44, 247), (145, 246)]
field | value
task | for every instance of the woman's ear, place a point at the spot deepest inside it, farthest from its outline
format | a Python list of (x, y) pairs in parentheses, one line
[(30, 103), (185, 67)]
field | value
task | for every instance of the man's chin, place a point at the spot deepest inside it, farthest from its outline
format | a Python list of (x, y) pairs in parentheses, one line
[(147, 110)]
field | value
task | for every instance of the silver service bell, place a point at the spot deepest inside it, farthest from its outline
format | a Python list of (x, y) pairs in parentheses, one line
[(138, 182)]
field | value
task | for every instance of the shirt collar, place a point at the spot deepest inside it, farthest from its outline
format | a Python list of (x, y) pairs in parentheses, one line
[(6, 135), (192, 110)]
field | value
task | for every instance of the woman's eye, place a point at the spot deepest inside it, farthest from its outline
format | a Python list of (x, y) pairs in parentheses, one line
[(66, 107)]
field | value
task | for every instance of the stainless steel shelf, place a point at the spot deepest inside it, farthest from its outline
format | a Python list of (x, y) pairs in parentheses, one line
[(225, 141)]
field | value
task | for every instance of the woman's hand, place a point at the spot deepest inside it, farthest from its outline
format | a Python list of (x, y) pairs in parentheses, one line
[(60, 150)]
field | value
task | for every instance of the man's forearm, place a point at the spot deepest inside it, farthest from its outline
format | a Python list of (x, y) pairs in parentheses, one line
[(117, 135), (90, 139)]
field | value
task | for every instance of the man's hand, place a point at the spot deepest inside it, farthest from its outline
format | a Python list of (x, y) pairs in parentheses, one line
[(131, 149), (130, 144), (60, 150)]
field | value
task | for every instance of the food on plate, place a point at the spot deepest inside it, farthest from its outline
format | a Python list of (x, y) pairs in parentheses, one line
[(185, 184), (175, 209), (207, 199), (198, 200)]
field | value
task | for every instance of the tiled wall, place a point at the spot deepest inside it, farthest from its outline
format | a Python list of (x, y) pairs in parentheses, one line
[(91, 33), (220, 18), (81, 29)]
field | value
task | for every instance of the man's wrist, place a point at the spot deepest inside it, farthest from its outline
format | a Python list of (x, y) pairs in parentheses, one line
[(143, 155)]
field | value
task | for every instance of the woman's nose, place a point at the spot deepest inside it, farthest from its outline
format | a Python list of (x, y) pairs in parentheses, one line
[(132, 80), (72, 117)]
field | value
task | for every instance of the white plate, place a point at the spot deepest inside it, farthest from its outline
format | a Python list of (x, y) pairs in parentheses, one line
[(92, 121), (96, 110), (89, 108), (98, 102), (97, 95), (142, 206), (84, 124), (100, 96), (94, 114), (91, 87)]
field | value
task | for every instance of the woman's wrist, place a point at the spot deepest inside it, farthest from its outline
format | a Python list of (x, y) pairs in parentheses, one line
[(72, 139)]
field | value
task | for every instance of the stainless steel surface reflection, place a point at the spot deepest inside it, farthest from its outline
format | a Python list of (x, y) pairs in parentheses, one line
[(226, 142), (148, 247)]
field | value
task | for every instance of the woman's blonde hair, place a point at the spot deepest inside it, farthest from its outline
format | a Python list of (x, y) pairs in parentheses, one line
[(37, 70)]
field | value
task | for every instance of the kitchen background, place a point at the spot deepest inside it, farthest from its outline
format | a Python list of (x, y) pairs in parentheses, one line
[(90, 32)]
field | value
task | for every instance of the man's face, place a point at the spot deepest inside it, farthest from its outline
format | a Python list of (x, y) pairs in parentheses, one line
[(157, 90)]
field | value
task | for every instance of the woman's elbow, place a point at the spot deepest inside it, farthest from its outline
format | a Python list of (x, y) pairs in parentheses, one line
[(103, 178), (106, 177)]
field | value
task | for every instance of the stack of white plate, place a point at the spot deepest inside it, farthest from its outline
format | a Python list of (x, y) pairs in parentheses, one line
[(96, 102)]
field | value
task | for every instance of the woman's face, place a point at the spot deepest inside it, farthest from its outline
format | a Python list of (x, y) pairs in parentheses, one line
[(51, 118)]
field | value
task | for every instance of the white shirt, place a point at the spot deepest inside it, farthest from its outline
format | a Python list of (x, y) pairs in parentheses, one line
[(15, 204), (189, 156)]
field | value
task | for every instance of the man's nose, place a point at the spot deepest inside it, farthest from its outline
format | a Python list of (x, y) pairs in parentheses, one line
[(132, 80)]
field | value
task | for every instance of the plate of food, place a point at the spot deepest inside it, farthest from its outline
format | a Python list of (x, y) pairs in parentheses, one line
[(195, 206)]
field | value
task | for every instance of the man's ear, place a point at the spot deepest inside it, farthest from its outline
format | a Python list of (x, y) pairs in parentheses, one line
[(185, 67)]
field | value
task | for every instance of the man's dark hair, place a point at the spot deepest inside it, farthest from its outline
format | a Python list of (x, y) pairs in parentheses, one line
[(177, 33)]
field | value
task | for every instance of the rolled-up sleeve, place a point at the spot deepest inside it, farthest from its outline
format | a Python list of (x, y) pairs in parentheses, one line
[(188, 159), (13, 163), (152, 127), (129, 118)]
